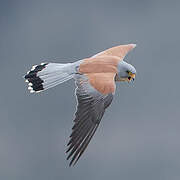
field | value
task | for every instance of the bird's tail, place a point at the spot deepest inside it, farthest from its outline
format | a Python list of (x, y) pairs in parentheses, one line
[(47, 75)]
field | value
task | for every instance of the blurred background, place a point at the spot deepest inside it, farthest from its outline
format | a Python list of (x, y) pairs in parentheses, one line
[(138, 137)]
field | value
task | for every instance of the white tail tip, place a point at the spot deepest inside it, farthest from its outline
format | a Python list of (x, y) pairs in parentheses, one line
[(30, 88)]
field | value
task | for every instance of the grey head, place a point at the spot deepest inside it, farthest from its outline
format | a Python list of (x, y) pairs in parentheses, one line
[(126, 72)]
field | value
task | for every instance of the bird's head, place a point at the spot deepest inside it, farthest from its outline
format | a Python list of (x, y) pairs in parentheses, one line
[(126, 72)]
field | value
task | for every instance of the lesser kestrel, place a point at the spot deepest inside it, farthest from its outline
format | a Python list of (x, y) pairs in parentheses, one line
[(95, 80)]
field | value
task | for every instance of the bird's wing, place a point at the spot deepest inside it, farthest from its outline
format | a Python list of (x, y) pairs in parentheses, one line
[(100, 72), (102, 82), (90, 109), (119, 51)]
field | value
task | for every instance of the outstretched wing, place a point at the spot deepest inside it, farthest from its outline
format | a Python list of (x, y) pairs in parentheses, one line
[(90, 109), (102, 67), (119, 51)]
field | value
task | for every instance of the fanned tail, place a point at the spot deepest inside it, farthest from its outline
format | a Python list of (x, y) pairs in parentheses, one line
[(48, 75)]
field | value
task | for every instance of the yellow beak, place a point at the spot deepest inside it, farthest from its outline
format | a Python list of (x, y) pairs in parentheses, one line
[(131, 76)]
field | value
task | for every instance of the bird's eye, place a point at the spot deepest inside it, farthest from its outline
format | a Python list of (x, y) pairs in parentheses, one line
[(127, 71)]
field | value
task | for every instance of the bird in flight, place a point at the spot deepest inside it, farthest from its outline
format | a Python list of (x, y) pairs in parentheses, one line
[(95, 80)]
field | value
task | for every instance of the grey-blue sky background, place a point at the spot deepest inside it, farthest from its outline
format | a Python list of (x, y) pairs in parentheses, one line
[(139, 136)]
